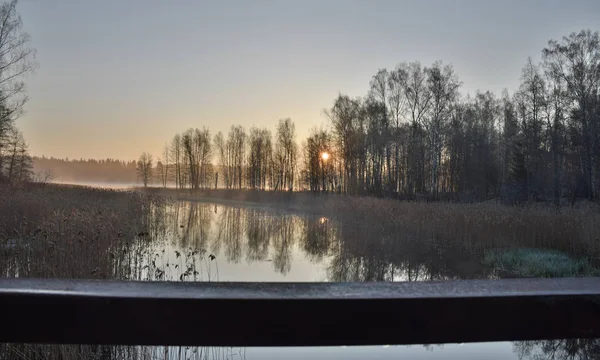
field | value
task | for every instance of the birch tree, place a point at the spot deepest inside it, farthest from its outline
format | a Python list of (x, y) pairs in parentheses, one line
[(575, 60), (443, 87), (144, 168)]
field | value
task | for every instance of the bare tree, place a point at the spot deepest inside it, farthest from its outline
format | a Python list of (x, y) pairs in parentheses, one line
[(15, 150), (531, 103), (576, 62), (397, 107), (377, 126), (236, 150), (443, 88), (510, 132), (381, 92), (177, 158), (259, 157), (165, 169), (222, 152), (198, 153), (556, 114), (144, 168), (158, 171), (412, 77), (286, 151), (17, 59), (319, 161), (44, 177), (345, 117)]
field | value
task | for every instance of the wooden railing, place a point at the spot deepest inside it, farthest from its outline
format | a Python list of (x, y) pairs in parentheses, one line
[(297, 314)]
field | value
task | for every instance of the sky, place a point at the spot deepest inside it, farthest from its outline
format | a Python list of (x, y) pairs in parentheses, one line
[(120, 77)]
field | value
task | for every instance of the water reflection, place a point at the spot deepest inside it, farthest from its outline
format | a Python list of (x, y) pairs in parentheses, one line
[(229, 236), (207, 242), (68, 352), (529, 350), (247, 241), (259, 232), (574, 349), (317, 237)]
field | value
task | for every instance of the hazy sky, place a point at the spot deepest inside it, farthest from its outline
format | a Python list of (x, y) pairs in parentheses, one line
[(120, 77)]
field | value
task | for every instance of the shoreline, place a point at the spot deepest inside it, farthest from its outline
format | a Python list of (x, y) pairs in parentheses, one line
[(296, 202)]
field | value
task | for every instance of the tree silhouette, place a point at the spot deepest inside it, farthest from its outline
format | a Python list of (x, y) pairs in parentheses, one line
[(144, 168)]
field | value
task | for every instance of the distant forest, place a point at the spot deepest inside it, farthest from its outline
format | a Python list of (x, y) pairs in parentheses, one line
[(413, 135), (87, 171)]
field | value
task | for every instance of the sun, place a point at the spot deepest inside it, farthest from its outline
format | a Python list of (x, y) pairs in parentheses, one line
[(325, 156)]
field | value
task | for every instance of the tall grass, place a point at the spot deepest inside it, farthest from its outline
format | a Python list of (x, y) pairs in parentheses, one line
[(67, 231)]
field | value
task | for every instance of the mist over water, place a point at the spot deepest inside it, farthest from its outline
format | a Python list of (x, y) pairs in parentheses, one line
[(101, 185)]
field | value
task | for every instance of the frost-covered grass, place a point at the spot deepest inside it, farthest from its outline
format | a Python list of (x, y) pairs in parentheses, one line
[(538, 263)]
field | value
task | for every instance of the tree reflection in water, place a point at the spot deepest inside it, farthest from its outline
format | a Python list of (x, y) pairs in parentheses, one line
[(230, 228), (68, 352), (259, 231), (282, 243), (346, 251), (363, 255), (572, 349)]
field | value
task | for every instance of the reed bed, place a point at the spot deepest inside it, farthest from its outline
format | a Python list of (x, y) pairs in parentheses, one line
[(67, 231)]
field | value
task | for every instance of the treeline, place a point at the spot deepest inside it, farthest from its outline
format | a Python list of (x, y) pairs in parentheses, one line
[(194, 159), (413, 135), (15, 162), (87, 170)]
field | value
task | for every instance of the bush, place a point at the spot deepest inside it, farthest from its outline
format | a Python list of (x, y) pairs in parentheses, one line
[(537, 263)]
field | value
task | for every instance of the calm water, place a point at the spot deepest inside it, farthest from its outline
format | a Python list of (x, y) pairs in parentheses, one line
[(192, 241)]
